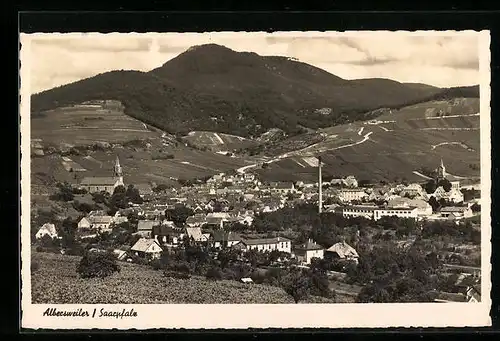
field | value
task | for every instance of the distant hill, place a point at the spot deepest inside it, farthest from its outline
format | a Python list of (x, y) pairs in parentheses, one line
[(213, 88)]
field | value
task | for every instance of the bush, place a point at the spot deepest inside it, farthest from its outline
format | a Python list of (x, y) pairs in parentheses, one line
[(35, 266), (177, 275), (98, 265), (214, 274)]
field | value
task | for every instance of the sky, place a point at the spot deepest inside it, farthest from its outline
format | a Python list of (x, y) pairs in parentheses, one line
[(443, 60)]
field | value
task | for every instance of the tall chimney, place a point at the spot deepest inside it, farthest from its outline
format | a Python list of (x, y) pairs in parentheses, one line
[(320, 186)]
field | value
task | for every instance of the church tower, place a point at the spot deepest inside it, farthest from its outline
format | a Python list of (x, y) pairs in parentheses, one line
[(441, 171), (118, 170)]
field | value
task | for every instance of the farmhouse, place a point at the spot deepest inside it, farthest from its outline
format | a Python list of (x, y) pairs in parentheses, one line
[(145, 227), (220, 239), (195, 234), (100, 222), (47, 229), (282, 187), (306, 252), (453, 212), (147, 248), (342, 250), (165, 234), (268, 244)]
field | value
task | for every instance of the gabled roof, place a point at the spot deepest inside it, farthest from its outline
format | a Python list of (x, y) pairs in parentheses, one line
[(454, 209), (143, 244), (195, 233), (147, 225), (98, 219), (264, 241), (51, 228), (222, 236), (344, 250), (309, 246), (281, 185)]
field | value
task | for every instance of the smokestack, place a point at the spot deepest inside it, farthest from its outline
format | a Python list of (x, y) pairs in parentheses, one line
[(320, 186)]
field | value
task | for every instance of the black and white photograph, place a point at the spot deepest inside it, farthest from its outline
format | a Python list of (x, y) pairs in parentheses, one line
[(270, 172)]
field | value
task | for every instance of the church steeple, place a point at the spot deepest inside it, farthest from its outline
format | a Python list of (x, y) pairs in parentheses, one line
[(118, 168), (441, 171)]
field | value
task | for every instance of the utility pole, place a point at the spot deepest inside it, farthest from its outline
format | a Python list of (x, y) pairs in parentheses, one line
[(320, 186)]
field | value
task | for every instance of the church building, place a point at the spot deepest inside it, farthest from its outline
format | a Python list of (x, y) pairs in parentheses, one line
[(106, 184), (441, 175)]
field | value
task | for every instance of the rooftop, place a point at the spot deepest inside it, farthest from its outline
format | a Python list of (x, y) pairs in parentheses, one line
[(263, 241)]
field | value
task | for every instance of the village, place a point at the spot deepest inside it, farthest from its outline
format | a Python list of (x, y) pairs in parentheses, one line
[(218, 215)]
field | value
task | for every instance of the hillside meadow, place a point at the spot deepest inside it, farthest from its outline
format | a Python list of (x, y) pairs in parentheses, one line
[(57, 282)]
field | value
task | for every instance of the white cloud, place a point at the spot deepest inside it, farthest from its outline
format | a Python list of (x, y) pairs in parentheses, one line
[(446, 60)]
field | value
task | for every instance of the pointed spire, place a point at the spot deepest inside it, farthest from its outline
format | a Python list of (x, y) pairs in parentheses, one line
[(442, 164)]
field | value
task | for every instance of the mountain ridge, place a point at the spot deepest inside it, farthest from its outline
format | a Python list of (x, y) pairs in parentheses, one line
[(213, 88)]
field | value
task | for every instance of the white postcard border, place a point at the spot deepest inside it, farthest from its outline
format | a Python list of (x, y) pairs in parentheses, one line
[(234, 316)]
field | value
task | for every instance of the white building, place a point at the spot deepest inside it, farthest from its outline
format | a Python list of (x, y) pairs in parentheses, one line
[(306, 252), (268, 244), (352, 194), (423, 208), (401, 212), (47, 229), (364, 211), (350, 181), (147, 248), (342, 250), (453, 212)]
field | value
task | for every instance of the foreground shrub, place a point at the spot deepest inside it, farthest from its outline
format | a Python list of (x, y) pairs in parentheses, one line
[(98, 265), (177, 275), (214, 274)]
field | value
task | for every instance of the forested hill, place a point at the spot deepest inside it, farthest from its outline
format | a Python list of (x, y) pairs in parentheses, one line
[(213, 88)]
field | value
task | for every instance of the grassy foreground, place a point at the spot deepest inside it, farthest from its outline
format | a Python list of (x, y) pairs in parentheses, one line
[(57, 282)]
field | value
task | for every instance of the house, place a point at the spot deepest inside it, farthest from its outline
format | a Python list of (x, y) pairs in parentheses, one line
[(424, 209), (307, 251), (220, 239), (455, 212), (454, 195), (147, 248), (84, 223), (144, 189), (122, 253), (145, 227), (196, 220), (342, 250), (165, 234), (281, 244), (400, 212), (282, 187), (194, 233), (350, 181), (352, 194), (47, 229), (364, 211), (98, 222)]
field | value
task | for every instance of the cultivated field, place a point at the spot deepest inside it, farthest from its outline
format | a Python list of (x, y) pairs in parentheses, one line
[(56, 282), (80, 126), (218, 141), (394, 146), (146, 155)]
